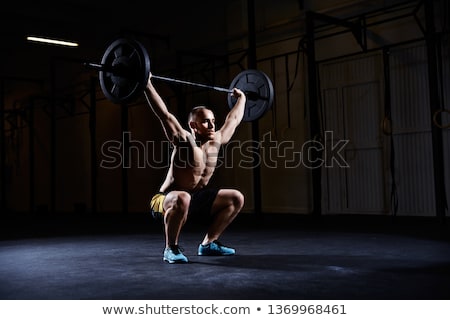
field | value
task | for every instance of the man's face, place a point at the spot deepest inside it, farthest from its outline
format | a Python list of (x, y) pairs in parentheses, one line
[(203, 124)]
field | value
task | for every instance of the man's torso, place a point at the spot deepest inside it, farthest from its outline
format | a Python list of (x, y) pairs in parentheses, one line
[(192, 166)]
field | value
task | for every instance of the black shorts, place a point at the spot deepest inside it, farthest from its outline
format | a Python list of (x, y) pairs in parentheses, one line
[(201, 202), (200, 206)]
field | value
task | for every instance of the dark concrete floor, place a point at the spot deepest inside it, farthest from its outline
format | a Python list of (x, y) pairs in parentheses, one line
[(273, 261)]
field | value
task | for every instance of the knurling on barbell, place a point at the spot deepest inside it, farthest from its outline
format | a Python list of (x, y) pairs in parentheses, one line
[(125, 68)]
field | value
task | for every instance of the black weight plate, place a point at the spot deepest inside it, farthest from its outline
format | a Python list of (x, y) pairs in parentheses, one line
[(127, 68), (258, 88)]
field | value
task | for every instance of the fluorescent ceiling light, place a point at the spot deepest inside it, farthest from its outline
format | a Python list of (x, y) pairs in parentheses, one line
[(53, 41)]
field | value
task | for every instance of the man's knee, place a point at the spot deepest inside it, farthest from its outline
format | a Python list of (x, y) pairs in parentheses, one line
[(237, 199), (178, 201)]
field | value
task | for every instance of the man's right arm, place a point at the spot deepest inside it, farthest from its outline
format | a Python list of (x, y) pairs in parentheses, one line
[(172, 127)]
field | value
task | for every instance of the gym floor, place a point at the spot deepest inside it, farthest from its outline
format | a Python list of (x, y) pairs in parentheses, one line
[(277, 258)]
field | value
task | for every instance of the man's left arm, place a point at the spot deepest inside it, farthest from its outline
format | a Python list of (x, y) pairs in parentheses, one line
[(234, 117)]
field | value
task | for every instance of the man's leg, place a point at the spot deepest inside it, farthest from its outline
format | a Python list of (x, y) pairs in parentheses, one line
[(225, 208), (176, 205)]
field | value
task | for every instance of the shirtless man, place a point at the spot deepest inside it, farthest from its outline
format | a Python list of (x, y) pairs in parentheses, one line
[(193, 161)]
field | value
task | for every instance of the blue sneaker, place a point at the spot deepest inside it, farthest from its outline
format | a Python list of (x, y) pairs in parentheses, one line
[(173, 255), (215, 248)]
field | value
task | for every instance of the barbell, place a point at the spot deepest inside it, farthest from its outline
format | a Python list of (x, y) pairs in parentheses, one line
[(125, 68)]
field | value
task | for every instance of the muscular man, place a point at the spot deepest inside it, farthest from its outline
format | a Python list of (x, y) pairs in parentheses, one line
[(184, 192)]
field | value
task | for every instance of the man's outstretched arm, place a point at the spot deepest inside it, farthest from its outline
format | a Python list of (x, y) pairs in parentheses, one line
[(172, 127), (234, 117)]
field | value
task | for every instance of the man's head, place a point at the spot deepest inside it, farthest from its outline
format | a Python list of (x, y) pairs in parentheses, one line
[(202, 123)]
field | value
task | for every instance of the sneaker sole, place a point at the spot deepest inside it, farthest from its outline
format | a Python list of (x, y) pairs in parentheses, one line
[(216, 254), (175, 261)]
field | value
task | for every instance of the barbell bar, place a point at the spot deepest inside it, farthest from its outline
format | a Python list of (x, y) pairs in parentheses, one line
[(125, 68), (192, 83)]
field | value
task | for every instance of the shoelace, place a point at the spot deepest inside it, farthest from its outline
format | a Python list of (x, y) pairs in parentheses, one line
[(218, 243), (176, 249)]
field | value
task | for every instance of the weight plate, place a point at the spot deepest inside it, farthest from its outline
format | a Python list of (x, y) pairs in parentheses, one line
[(127, 68), (258, 88)]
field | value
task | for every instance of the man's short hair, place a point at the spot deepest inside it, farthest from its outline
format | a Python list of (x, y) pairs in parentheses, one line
[(195, 111)]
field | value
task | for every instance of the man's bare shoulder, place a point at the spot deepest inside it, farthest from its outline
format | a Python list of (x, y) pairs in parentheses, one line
[(217, 138), (185, 138)]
